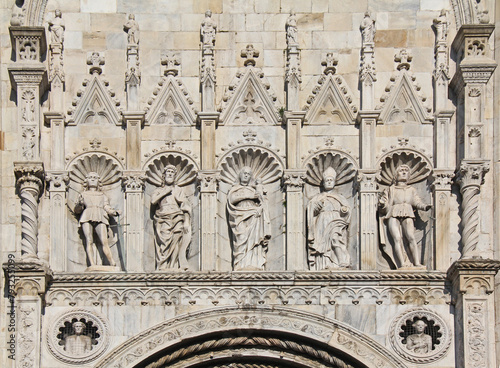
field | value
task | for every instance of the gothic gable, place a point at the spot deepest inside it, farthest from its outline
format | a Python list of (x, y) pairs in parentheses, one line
[(249, 102), (171, 104)]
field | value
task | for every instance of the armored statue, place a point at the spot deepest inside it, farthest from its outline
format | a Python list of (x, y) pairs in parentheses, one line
[(95, 211), (172, 223), (397, 205), (249, 222), (328, 218)]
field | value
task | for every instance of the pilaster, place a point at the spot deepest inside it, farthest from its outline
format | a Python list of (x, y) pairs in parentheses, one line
[(296, 257), (443, 140), (293, 121), (57, 182), (208, 180), (473, 286), (442, 190), (368, 231), (133, 183), (208, 123), (29, 181), (55, 120), (367, 121), (134, 121)]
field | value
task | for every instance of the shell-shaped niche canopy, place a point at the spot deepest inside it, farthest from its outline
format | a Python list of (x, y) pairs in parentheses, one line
[(265, 166), (108, 169), (420, 166), (343, 166), (186, 169)]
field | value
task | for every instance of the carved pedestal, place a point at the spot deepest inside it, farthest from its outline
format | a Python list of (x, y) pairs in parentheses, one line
[(208, 187), (133, 183), (368, 219), (473, 295), (57, 185), (295, 228), (29, 177)]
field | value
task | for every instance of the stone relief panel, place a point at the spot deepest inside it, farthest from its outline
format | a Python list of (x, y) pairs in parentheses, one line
[(405, 226), (78, 336), (331, 211), (420, 336), (250, 205), (171, 202), (95, 206)]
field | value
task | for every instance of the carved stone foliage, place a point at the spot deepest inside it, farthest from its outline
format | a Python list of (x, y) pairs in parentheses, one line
[(420, 336), (28, 320), (477, 341), (78, 346)]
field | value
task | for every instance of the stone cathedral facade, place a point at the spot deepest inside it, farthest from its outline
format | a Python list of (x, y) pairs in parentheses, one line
[(249, 184)]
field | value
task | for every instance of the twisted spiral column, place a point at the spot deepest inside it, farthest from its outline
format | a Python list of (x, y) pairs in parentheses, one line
[(29, 184), (471, 178)]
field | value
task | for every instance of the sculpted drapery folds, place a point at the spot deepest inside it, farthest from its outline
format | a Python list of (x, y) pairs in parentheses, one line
[(328, 218), (397, 204), (95, 211), (249, 222), (56, 28), (172, 223)]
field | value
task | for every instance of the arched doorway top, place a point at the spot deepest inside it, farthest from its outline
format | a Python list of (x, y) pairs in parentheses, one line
[(277, 321)]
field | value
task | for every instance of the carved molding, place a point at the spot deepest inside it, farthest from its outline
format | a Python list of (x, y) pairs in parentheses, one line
[(29, 43), (58, 325), (440, 347), (474, 276)]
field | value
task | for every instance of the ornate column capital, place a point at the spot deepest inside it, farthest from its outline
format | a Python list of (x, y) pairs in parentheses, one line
[(31, 277), (443, 179), (133, 181), (294, 179), (367, 180), (208, 180), (474, 276), (29, 175), (471, 173), (57, 180)]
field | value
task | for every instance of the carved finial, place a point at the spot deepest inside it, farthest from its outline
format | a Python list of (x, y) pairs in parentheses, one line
[(132, 29), (403, 58), (250, 54), (171, 62), (291, 30), (95, 60), (367, 29), (208, 31), (330, 63)]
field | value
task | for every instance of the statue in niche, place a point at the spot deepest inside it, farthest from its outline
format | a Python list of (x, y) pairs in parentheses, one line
[(291, 30), (328, 218), (56, 28), (78, 343), (397, 204), (208, 30), (172, 223), (249, 222), (132, 29), (95, 211), (419, 342), (367, 28)]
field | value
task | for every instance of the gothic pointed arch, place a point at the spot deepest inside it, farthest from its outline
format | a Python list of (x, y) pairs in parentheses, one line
[(283, 336)]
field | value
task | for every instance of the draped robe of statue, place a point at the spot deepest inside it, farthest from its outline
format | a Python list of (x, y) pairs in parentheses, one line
[(171, 217), (250, 227), (329, 216)]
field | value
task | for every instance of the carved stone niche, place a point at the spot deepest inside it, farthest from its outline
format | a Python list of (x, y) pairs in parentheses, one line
[(331, 214), (78, 337), (399, 205), (170, 208), (109, 170), (253, 242), (420, 336)]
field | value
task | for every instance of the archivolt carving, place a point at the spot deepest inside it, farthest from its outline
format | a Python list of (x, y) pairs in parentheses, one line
[(186, 168), (344, 165), (106, 166), (287, 322), (57, 333), (265, 165), (436, 328), (421, 166)]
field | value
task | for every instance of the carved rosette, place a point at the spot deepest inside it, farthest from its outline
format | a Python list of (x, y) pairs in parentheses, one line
[(29, 183), (96, 328), (436, 328), (471, 177)]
